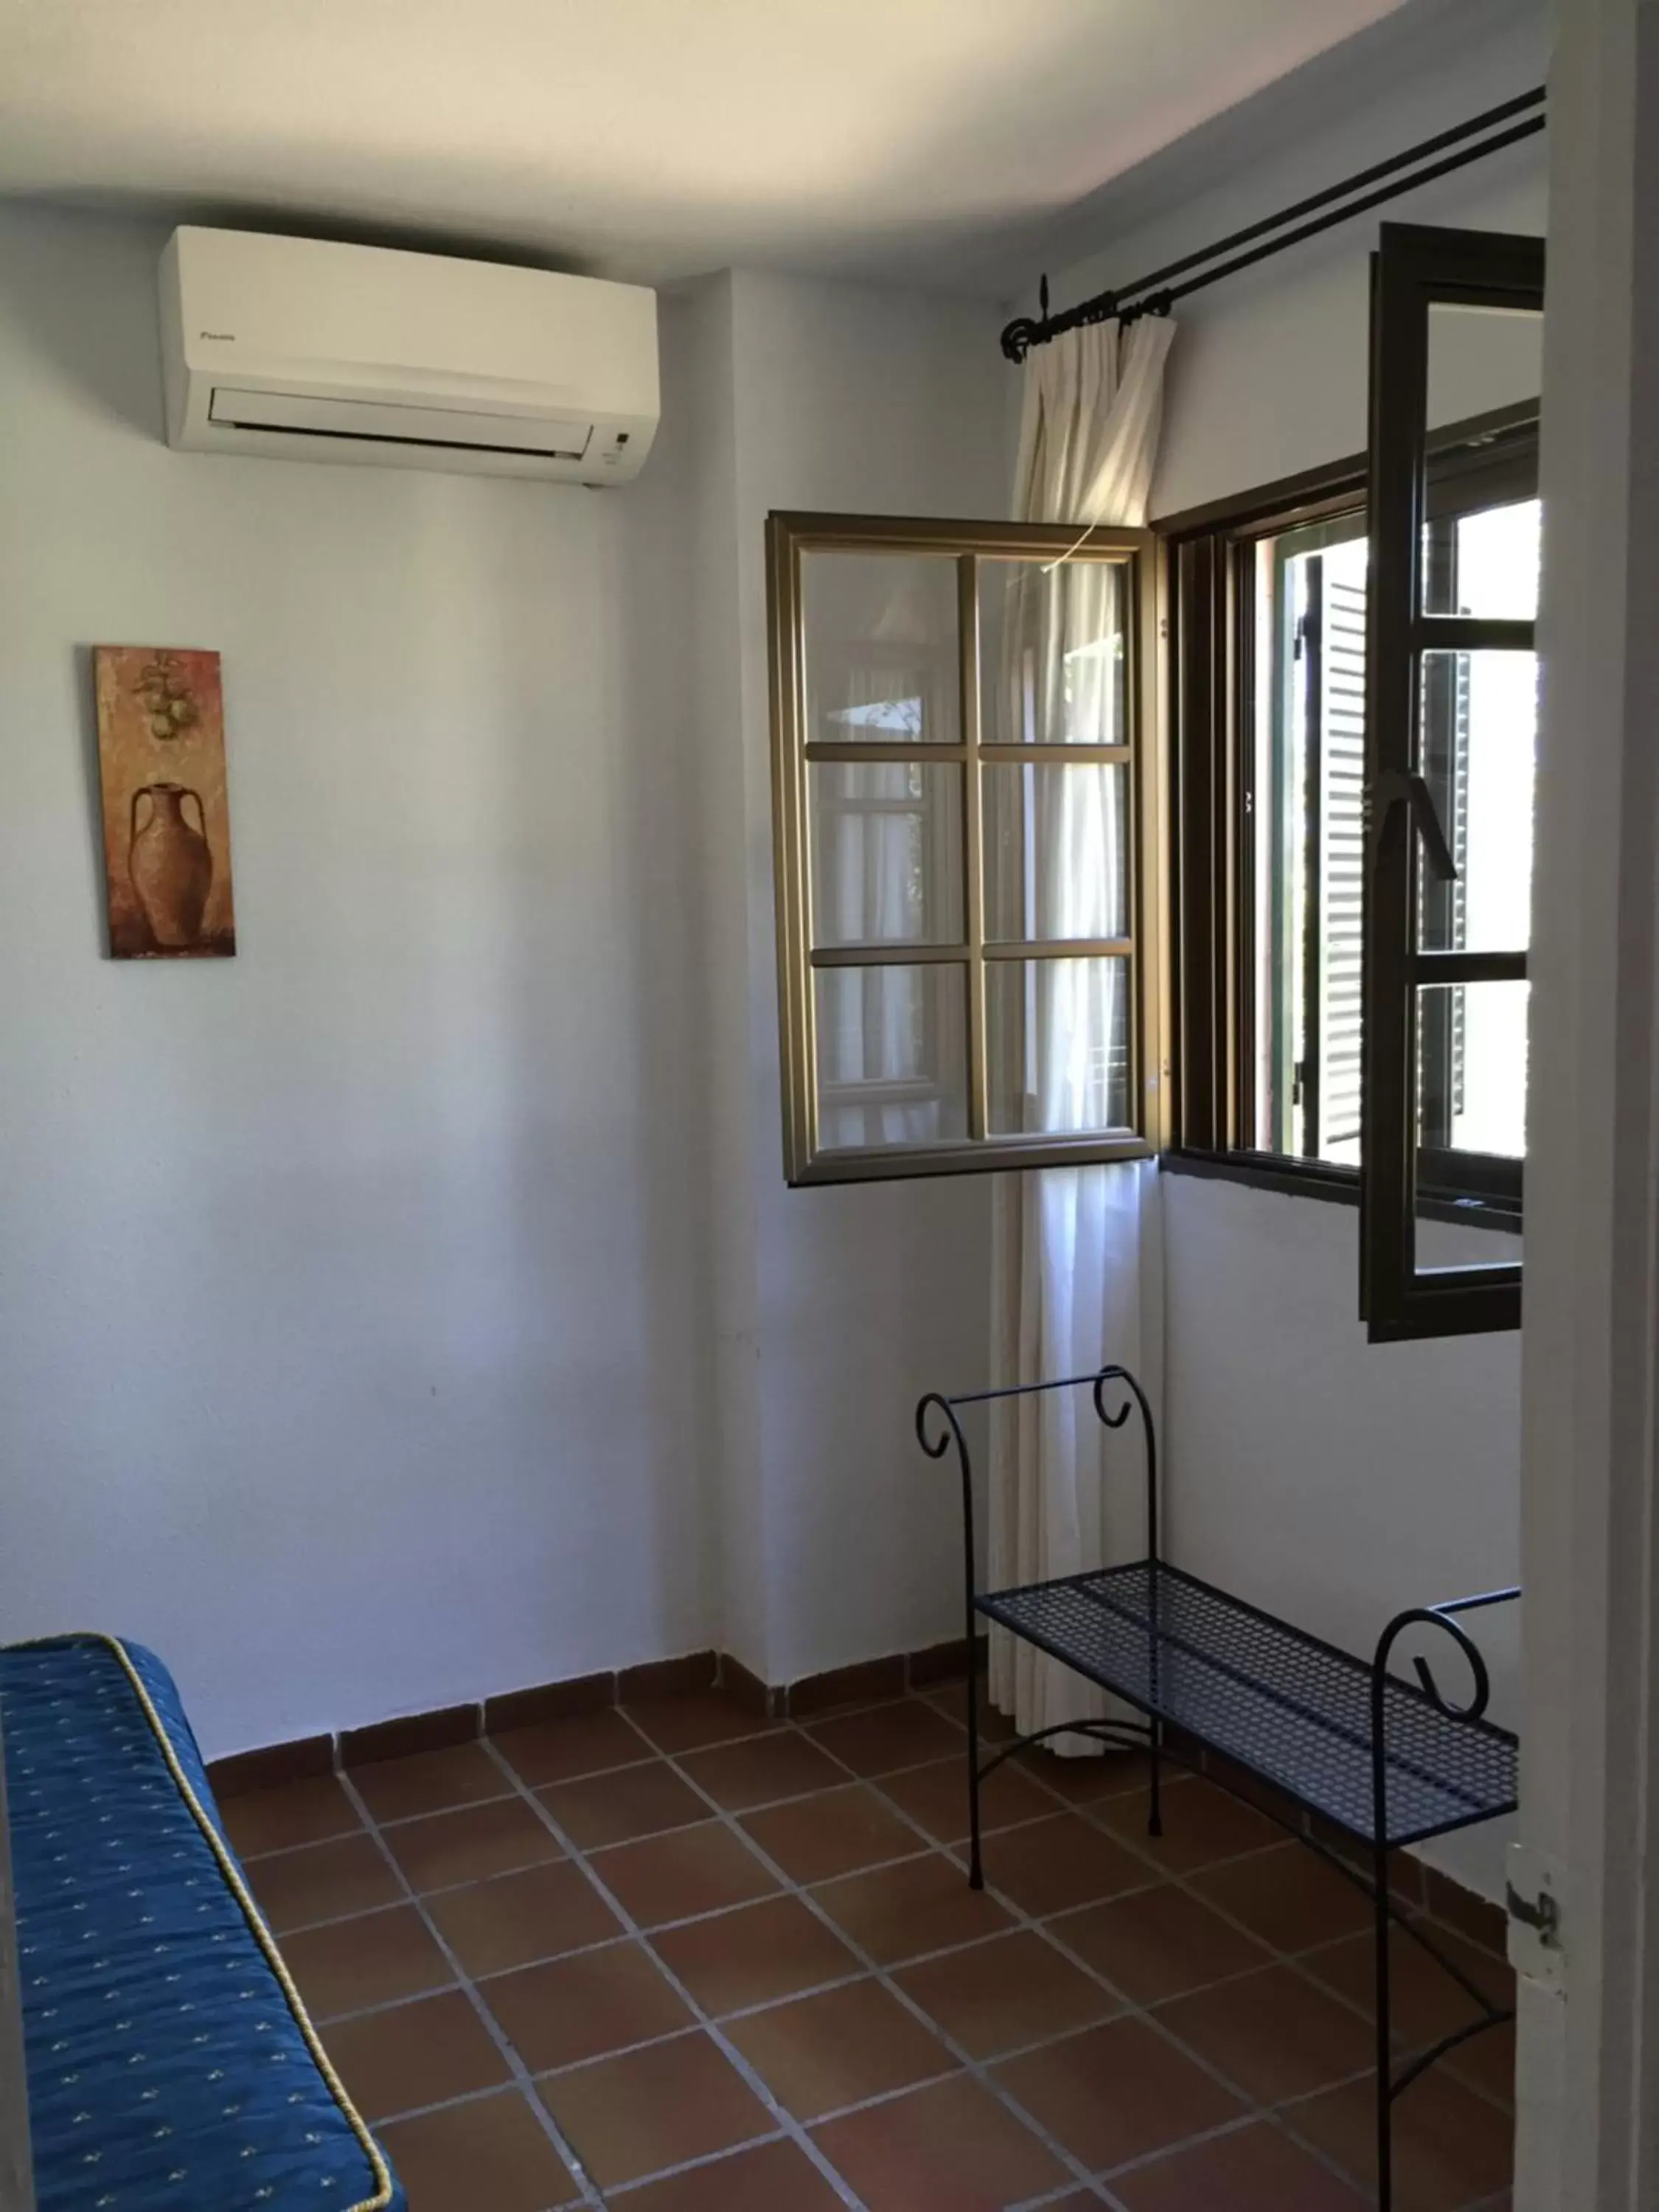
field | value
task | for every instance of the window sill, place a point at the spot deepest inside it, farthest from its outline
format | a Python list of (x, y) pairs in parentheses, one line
[(1335, 1186)]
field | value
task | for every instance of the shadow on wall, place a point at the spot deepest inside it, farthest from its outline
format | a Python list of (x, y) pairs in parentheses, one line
[(76, 298), (610, 974), (85, 304), (78, 304), (86, 713)]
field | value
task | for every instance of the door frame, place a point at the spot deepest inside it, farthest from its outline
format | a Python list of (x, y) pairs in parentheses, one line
[(1588, 2098)]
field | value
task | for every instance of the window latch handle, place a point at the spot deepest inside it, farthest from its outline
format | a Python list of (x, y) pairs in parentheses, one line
[(1396, 789)]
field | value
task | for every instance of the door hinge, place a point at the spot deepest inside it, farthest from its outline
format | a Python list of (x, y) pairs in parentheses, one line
[(1542, 1914), (1534, 1896)]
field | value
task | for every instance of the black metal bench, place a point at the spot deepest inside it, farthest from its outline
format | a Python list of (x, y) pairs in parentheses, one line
[(1386, 1761)]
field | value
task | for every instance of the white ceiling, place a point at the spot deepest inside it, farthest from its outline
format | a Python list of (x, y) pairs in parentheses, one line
[(646, 138)]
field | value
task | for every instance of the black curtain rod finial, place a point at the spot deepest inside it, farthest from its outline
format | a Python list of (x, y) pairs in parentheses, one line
[(1019, 337), (1028, 330)]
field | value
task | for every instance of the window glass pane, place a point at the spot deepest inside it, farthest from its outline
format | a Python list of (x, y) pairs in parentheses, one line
[(886, 852), (1057, 1039), (1445, 1237), (1484, 563), (892, 1055), (1056, 851), (1476, 738), (880, 648), (1309, 843), (1477, 741), (1472, 1068), (1481, 359), (1053, 653)]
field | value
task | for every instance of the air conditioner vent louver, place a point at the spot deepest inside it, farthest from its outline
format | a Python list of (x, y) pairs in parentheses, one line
[(398, 424), (307, 350)]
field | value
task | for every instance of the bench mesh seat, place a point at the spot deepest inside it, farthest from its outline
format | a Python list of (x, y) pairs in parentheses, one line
[(1288, 1706)]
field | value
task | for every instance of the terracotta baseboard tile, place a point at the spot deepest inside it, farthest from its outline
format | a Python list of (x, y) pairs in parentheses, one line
[(269, 1769), (1255, 1791), (944, 1663), (746, 1688), (411, 1734), (1186, 1751), (1412, 1883), (1405, 1873), (1466, 1911), (860, 1684), (549, 1701), (667, 1678)]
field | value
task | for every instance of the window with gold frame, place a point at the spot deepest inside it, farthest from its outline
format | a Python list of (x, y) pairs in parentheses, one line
[(968, 812)]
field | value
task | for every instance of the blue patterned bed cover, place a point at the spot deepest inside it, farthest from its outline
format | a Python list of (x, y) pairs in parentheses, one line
[(170, 2065)]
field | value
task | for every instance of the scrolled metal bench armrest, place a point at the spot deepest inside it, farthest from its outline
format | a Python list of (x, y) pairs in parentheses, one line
[(1443, 1617)]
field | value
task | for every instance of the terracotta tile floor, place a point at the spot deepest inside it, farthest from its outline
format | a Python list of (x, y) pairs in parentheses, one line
[(669, 1959)]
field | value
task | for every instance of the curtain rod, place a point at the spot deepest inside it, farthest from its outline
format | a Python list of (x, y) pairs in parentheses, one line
[(1128, 302)]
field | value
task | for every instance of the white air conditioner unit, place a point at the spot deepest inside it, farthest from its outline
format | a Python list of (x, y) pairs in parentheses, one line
[(310, 351)]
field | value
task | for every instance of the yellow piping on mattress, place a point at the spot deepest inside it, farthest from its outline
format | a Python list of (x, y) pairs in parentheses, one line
[(251, 1912)]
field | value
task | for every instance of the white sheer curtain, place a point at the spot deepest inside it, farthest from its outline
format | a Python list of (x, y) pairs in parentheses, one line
[(885, 1035), (1077, 1257)]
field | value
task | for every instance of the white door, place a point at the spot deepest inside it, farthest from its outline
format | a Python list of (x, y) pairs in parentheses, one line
[(1588, 2109)]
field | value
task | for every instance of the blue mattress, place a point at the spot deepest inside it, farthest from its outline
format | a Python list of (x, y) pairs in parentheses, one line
[(170, 2065)]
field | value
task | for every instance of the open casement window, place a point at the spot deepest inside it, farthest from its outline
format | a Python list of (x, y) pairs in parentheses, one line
[(1451, 715), (967, 821), (1270, 606)]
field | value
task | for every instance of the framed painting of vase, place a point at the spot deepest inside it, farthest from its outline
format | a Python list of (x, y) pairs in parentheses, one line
[(167, 806)]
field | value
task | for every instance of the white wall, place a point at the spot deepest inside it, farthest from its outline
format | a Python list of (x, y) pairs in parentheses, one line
[(1332, 1481), (873, 401), (372, 1327), (1268, 375), (350, 1345), (413, 1308)]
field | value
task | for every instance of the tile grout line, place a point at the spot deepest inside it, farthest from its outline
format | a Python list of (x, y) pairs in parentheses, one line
[(656, 1758), (973, 2067), (932, 1695), (1277, 2117), (1254, 2111), (1186, 1880), (824, 1988), (589, 2191), (791, 2127), (1126, 2007), (1158, 1875), (1045, 1931), (731, 1820), (1089, 1809)]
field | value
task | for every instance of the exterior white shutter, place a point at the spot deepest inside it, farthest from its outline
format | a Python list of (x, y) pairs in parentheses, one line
[(1342, 858)]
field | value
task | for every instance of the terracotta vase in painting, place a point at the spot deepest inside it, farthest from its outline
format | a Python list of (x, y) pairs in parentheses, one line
[(171, 864)]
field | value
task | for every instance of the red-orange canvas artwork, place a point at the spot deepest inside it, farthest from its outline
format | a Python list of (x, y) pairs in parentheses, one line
[(166, 805)]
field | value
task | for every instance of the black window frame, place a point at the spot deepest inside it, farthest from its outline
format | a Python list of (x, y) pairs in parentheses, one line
[(1414, 269), (1210, 553)]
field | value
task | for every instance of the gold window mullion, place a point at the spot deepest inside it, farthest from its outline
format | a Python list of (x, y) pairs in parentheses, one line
[(966, 547), (979, 1111)]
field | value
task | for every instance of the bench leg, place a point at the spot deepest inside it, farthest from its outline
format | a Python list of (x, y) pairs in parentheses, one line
[(1384, 2034), (975, 1867), (1155, 1795)]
